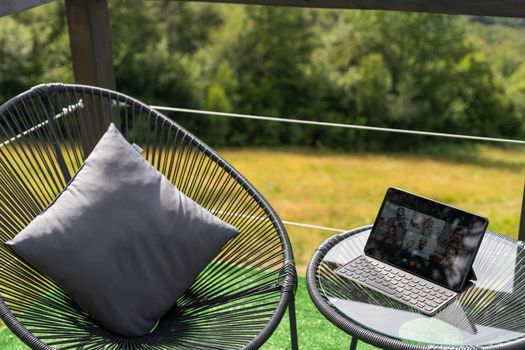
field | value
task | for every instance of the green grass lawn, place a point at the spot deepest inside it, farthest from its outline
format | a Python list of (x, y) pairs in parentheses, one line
[(314, 331), (345, 190)]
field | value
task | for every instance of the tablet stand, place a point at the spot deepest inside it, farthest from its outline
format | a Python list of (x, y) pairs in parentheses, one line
[(472, 275)]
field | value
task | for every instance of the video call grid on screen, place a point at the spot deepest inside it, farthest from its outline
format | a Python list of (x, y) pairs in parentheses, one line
[(420, 234)]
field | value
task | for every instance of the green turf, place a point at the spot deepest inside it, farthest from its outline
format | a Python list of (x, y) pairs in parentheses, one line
[(315, 332), (9, 342)]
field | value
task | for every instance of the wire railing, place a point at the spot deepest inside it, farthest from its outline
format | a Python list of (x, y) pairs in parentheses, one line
[(337, 125), (286, 222)]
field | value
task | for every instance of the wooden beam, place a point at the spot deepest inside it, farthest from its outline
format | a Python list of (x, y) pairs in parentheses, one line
[(90, 41), (501, 8)]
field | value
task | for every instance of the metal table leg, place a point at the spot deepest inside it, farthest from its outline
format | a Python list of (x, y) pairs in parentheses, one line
[(353, 343)]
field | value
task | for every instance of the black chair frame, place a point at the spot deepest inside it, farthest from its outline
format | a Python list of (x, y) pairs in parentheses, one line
[(237, 302)]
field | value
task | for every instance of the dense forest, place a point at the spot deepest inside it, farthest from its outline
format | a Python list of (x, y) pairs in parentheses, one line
[(454, 74)]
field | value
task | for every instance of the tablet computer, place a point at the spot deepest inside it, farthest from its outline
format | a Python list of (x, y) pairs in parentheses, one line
[(430, 239)]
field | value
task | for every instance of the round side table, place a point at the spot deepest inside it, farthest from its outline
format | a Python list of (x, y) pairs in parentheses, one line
[(490, 315)]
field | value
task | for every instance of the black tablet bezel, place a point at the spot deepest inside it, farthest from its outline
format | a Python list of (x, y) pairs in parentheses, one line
[(431, 208)]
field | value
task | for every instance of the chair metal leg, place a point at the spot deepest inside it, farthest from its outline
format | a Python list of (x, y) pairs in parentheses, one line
[(353, 343), (293, 323)]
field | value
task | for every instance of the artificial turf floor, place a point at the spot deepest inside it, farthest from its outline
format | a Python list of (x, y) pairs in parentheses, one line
[(314, 331)]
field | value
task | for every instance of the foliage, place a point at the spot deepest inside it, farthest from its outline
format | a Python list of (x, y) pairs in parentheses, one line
[(33, 49), (416, 71), (413, 71)]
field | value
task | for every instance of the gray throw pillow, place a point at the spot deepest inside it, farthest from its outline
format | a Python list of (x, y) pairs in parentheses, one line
[(121, 240)]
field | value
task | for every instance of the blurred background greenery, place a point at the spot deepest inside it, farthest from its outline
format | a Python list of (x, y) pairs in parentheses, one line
[(455, 74)]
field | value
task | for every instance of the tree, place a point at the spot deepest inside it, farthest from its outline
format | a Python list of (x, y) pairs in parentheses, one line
[(34, 47), (187, 26), (415, 71), (270, 60)]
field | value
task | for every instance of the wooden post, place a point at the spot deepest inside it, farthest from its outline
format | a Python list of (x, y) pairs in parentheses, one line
[(90, 41)]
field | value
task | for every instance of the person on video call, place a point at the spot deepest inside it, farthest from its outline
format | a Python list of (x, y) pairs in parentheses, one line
[(419, 249), (390, 235), (426, 230), (450, 259), (455, 240), (399, 222)]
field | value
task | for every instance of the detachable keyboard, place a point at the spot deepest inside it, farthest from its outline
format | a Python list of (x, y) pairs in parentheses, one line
[(400, 285)]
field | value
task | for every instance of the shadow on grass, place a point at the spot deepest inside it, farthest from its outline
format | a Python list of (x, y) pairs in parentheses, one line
[(507, 157), (498, 157)]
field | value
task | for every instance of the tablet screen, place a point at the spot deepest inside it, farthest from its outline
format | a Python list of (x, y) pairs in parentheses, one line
[(430, 239)]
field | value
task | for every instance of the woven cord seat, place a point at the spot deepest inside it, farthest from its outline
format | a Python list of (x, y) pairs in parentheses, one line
[(236, 302)]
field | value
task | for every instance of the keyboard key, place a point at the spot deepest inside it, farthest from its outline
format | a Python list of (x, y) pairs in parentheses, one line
[(382, 287)]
